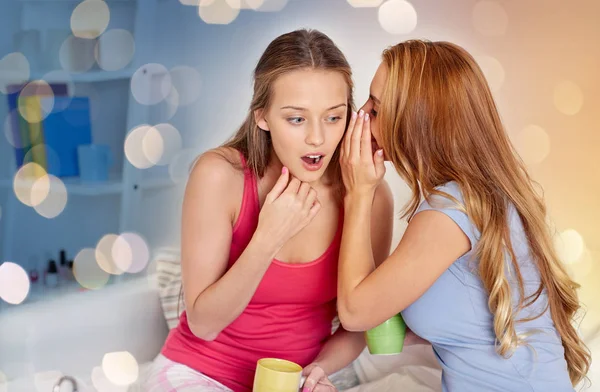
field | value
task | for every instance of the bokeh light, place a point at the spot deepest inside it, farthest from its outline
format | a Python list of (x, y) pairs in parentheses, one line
[(151, 84), (40, 189), (186, 80), (134, 147), (103, 384), (245, 4), (90, 18), (196, 2), (16, 142), (397, 17), (31, 111), (533, 144), (581, 268), (365, 3), (272, 5), (14, 69), (161, 143), (65, 78), (568, 97), (14, 283), (56, 200), (87, 272), (569, 246), (104, 254), (490, 18), (181, 164), (131, 253), (172, 104), (24, 180), (493, 71), (76, 54), (114, 50), (120, 368), (218, 12)]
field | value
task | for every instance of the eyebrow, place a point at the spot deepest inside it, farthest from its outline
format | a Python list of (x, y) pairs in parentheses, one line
[(299, 108), (375, 99)]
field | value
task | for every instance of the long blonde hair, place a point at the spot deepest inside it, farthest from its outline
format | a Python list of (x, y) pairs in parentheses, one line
[(439, 123)]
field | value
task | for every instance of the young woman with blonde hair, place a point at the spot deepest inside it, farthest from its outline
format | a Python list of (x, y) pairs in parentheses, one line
[(475, 273)]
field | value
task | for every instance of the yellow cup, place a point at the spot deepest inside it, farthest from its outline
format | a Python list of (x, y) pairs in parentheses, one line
[(277, 375)]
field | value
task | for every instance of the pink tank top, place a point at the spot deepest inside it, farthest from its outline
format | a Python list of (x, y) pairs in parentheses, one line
[(288, 317)]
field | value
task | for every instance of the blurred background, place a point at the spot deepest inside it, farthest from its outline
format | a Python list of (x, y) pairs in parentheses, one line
[(105, 104)]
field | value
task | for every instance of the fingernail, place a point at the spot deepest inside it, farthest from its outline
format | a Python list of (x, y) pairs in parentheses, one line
[(305, 389), (361, 113), (283, 170), (367, 117), (380, 152), (353, 114)]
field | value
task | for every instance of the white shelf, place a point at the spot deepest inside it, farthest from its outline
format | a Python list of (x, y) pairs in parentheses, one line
[(84, 77), (90, 76), (76, 187), (156, 183), (111, 187)]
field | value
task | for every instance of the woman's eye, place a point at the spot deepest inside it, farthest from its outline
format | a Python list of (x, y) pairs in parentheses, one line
[(373, 113), (295, 120), (334, 119)]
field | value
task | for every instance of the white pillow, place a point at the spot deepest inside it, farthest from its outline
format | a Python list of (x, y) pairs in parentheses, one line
[(168, 279)]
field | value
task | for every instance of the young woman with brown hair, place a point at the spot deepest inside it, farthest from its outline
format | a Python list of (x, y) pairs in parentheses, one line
[(261, 229)]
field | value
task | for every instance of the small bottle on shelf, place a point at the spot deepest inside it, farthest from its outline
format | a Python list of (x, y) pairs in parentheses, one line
[(63, 267), (51, 275)]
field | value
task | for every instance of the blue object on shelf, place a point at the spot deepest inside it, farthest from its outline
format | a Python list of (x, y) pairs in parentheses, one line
[(94, 162), (65, 128), (18, 125)]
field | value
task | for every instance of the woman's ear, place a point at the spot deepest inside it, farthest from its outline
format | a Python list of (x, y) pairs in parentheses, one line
[(259, 119)]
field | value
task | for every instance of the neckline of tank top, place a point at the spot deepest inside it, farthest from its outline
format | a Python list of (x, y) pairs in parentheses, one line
[(250, 176)]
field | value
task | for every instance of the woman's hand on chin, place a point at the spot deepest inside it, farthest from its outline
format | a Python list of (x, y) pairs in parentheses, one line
[(362, 170)]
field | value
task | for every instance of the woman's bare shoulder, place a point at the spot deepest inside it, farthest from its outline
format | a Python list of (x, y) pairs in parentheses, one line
[(217, 172), (217, 166)]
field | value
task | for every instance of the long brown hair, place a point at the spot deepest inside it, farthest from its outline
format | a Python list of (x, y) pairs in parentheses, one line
[(292, 51), (439, 123), (299, 49)]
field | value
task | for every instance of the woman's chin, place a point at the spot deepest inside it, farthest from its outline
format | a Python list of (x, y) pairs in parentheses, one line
[(308, 174)]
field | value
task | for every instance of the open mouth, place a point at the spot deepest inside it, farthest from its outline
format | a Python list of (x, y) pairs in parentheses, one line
[(312, 159)]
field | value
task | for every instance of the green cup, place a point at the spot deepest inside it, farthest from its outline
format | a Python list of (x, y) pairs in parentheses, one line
[(387, 338)]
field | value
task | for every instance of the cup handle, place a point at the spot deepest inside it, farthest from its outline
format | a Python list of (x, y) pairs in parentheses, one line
[(302, 381)]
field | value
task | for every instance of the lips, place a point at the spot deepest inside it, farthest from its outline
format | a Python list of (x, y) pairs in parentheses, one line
[(313, 161)]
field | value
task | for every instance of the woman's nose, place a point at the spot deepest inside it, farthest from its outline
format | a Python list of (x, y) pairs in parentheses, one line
[(315, 136)]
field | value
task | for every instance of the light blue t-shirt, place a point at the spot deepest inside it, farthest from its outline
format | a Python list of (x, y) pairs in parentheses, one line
[(454, 316)]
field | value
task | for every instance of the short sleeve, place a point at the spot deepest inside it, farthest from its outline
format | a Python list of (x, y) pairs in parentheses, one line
[(452, 210)]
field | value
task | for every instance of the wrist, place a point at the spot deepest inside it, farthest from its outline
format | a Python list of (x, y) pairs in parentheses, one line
[(359, 199), (318, 362), (266, 243)]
